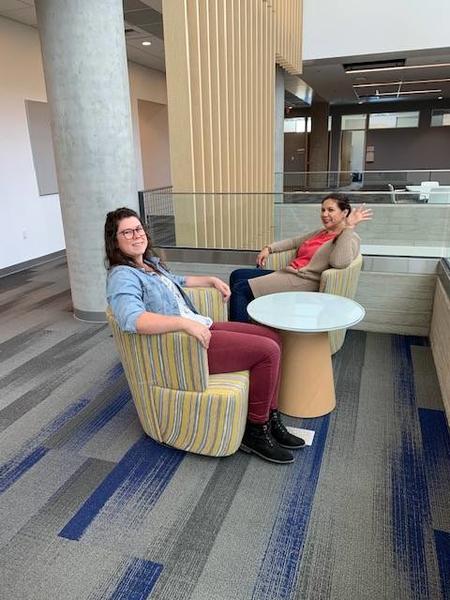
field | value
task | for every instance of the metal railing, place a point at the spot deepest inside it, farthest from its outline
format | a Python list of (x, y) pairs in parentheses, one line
[(364, 180)]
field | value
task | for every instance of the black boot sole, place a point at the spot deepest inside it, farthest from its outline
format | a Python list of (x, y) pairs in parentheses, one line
[(291, 447), (249, 450)]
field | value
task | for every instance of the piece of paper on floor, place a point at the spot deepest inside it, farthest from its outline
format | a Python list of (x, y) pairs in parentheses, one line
[(306, 434)]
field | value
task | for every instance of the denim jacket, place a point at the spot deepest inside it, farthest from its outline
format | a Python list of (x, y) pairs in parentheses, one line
[(131, 291)]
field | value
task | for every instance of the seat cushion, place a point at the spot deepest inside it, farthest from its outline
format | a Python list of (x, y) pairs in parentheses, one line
[(210, 422)]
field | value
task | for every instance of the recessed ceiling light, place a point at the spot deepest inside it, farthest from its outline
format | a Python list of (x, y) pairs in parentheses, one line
[(440, 97), (146, 43)]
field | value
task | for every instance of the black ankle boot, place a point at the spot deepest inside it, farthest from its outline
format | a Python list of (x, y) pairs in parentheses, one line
[(258, 440), (282, 435)]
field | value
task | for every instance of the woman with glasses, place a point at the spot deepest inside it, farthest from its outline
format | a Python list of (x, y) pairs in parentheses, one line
[(145, 297)]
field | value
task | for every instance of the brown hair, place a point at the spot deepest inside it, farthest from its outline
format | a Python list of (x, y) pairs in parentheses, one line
[(341, 200), (114, 256)]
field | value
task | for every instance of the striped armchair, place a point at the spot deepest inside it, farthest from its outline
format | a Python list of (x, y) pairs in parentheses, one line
[(177, 401), (341, 282)]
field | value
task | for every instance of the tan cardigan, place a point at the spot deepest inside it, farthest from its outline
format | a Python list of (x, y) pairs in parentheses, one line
[(337, 253)]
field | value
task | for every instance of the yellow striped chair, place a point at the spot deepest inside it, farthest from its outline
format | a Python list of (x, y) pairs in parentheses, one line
[(341, 282), (177, 401)]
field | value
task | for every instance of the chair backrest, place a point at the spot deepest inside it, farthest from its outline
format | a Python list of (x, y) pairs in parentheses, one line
[(208, 302), (439, 196), (279, 260), (429, 184)]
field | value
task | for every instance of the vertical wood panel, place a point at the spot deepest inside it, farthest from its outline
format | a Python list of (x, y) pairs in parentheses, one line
[(220, 69)]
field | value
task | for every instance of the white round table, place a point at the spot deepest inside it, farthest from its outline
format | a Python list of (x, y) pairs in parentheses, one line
[(304, 320)]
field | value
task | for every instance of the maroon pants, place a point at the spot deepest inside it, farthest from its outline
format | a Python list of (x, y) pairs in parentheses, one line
[(246, 347)]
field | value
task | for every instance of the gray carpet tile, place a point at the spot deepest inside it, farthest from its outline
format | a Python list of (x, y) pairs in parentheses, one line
[(91, 509), (428, 394)]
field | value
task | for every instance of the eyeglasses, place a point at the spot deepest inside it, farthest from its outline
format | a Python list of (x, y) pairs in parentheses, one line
[(128, 234)]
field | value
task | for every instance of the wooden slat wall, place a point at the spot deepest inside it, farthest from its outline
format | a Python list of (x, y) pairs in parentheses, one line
[(288, 49), (220, 69), (440, 342)]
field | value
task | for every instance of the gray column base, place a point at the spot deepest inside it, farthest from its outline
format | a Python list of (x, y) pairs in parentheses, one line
[(89, 316)]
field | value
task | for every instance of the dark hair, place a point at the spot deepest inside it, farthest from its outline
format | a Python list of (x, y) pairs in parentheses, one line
[(115, 256), (341, 200)]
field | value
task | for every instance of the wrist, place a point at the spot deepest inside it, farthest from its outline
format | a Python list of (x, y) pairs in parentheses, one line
[(268, 248)]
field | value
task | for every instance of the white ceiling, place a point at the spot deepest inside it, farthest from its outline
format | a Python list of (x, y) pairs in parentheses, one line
[(327, 77), (141, 25)]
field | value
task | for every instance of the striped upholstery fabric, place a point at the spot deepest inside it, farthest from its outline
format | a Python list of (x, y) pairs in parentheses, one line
[(177, 401), (209, 302), (279, 260), (341, 282), (210, 422)]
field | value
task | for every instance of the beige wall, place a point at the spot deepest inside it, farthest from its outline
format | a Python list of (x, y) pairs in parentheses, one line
[(154, 141), (145, 84), (440, 342)]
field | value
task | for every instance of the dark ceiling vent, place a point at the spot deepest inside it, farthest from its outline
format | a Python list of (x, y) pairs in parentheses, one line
[(379, 64)]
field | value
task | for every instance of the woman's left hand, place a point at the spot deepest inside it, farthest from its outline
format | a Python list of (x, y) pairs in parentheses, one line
[(290, 269), (359, 214), (222, 287)]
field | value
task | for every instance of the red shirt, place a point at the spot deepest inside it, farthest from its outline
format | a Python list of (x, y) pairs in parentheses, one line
[(309, 247)]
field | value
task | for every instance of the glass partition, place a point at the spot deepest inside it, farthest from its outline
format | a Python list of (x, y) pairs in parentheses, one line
[(405, 223), (350, 180)]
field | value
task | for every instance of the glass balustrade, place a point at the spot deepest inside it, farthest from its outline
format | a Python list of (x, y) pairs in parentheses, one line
[(407, 222)]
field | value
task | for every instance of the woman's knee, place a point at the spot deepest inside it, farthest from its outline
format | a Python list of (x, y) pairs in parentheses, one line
[(237, 276)]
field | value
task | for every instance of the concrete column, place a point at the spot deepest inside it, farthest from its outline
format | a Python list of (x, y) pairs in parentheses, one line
[(85, 67), (279, 134), (318, 143)]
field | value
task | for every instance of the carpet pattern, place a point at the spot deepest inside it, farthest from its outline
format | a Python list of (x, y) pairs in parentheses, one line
[(92, 509)]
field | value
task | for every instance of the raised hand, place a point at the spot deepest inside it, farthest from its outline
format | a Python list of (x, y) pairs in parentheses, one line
[(359, 214)]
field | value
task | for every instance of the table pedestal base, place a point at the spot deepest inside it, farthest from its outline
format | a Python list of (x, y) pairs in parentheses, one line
[(307, 385)]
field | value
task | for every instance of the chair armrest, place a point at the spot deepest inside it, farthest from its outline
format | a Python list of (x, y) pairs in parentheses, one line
[(178, 361), (342, 282), (168, 360)]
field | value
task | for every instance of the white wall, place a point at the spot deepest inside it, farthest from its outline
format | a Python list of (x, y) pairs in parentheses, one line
[(32, 224), (334, 28)]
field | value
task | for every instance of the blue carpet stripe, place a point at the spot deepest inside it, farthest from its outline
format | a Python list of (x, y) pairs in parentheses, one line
[(145, 463), (33, 450), (12, 470), (138, 580), (410, 502), (279, 567), (442, 541), (87, 431)]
